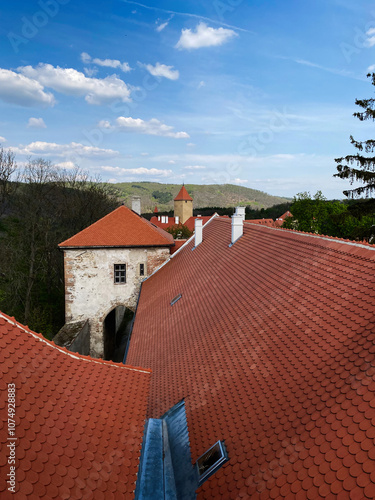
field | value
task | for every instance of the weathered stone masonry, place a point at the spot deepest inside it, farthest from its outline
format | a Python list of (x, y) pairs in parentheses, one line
[(90, 291)]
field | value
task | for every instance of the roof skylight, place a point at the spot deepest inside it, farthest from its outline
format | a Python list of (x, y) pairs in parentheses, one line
[(211, 461)]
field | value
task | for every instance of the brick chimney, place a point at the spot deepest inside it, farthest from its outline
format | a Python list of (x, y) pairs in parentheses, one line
[(237, 227), (136, 204), (198, 232)]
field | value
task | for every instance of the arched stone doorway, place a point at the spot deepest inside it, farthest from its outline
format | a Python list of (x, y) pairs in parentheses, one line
[(116, 330)]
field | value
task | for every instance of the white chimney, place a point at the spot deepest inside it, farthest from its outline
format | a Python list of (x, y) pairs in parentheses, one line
[(198, 232), (177, 219), (136, 204), (240, 211), (237, 227)]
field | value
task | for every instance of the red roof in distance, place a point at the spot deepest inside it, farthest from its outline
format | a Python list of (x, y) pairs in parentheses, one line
[(183, 195), (120, 228), (78, 421), (156, 210)]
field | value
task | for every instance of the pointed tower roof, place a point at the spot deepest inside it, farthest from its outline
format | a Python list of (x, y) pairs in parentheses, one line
[(183, 195), (120, 228), (156, 210)]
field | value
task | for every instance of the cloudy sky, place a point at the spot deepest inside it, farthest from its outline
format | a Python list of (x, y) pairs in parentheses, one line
[(247, 92)]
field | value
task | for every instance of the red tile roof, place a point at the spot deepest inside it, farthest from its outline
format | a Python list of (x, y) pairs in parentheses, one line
[(189, 223), (79, 421), (183, 195), (272, 345), (280, 220), (177, 245), (163, 225), (263, 222), (120, 228)]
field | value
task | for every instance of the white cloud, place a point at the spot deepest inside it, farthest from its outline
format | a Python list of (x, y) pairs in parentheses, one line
[(36, 123), (109, 63), (69, 81), (171, 162), (371, 68), (66, 165), (195, 167), (153, 172), (24, 91), (145, 154), (201, 84), (162, 70), (104, 124), (2, 139), (151, 127), (90, 71), (190, 144), (62, 150), (240, 181), (370, 42), (204, 36), (162, 26)]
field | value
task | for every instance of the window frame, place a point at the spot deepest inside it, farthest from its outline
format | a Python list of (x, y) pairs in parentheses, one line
[(119, 274), (220, 446)]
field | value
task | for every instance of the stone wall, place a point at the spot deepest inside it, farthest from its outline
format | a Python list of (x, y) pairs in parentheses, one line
[(75, 336), (90, 291)]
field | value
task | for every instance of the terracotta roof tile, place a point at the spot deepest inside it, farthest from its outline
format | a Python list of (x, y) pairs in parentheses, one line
[(69, 426), (120, 228), (271, 345), (183, 195)]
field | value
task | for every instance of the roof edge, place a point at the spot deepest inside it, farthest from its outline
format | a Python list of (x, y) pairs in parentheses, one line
[(63, 350)]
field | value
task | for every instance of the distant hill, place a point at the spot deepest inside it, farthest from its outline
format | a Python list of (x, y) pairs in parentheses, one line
[(213, 195)]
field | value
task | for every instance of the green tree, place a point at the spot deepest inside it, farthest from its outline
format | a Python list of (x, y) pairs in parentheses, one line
[(49, 206), (8, 167), (308, 212), (162, 197), (179, 232), (359, 167)]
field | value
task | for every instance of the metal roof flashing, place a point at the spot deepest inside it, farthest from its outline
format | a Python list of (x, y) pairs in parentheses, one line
[(165, 470)]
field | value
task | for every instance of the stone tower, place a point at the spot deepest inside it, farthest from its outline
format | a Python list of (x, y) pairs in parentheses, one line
[(183, 205), (104, 267)]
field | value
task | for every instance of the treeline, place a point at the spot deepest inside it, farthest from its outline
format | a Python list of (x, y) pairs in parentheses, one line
[(41, 205), (349, 219)]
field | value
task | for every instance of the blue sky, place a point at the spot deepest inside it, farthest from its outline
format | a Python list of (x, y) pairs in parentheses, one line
[(254, 93)]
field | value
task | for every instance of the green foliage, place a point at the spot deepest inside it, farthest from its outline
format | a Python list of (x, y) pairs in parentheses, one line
[(162, 196), (180, 232), (359, 167), (213, 195), (332, 218), (268, 213), (49, 206)]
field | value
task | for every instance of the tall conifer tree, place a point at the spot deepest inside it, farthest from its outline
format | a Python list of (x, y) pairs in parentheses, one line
[(360, 167)]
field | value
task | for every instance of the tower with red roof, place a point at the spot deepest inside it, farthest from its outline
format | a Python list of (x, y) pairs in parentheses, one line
[(183, 205), (104, 266)]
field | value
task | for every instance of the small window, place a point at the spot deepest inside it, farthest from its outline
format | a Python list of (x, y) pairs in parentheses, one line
[(120, 273), (173, 301), (211, 461), (141, 269)]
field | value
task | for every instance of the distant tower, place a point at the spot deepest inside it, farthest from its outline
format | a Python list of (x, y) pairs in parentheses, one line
[(183, 205)]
